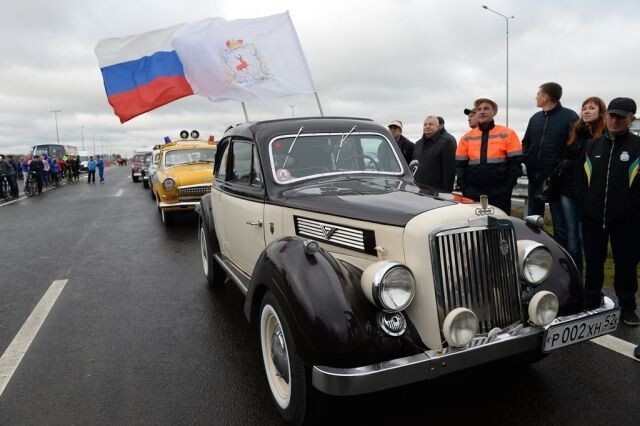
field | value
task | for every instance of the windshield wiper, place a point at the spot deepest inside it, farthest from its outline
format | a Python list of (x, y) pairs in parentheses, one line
[(291, 147), (342, 141)]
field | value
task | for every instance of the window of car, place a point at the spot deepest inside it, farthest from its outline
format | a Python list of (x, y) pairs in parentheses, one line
[(186, 156), (246, 165), (308, 156), (221, 173)]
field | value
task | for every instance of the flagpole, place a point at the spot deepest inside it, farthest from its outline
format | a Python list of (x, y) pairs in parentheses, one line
[(319, 106), (244, 108)]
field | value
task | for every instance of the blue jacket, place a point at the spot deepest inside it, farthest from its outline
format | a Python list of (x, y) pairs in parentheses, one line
[(100, 164), (545, 140), (91, 165)]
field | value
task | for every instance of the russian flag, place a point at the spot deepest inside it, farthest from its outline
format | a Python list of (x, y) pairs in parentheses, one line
[(141, 72)]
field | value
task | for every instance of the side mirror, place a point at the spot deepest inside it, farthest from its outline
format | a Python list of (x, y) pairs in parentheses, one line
[(414, 166)]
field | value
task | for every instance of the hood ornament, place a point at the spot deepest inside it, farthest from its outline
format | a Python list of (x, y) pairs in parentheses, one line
[(484, 206)]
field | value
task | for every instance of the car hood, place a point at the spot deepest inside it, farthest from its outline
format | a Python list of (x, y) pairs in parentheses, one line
[(380, 200), (191, 174)]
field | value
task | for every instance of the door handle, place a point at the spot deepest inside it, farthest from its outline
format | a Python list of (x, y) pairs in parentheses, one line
[(257, 223)]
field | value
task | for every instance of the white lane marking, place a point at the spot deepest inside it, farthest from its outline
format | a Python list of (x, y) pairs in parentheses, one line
[(119, 193), (13, 355), (618, 345)]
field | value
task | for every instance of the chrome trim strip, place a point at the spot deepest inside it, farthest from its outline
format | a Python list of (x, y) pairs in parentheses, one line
[(208, 185), (163, 205), (239, 278), (434, 363)]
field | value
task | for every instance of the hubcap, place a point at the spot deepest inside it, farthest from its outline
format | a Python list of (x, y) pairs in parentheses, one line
[(279, 354), (275, 356)]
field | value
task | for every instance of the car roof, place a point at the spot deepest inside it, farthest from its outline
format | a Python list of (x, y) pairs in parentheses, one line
[(187, 144), (264, 131)]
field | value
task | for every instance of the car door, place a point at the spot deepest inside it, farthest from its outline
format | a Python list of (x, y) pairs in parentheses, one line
[(239, 205)]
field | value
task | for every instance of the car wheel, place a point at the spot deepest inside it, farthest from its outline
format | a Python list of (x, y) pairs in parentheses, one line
[(212, 270), (134, 178), (289, 384), (145, 184)]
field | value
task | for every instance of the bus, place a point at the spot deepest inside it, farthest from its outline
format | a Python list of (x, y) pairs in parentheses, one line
[(54, 150)]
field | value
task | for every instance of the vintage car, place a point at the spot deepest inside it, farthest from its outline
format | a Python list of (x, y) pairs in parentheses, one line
[(146, 162), (136, 166), (358, 280), (184, 173)]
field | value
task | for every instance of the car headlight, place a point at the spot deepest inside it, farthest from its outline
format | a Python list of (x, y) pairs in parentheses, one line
[(460, 327), (536, 261), (388, 285), (543, 308), (168, 184)]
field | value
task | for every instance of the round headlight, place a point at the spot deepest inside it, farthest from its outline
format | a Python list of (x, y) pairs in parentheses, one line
[(543, 308), (389, 285), (536, 261), (460, 326), (169, 184)]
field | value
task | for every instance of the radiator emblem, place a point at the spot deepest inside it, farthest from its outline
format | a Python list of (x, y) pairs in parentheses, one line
[(504, 247)]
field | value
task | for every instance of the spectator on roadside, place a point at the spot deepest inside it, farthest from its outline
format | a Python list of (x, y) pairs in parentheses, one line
[(91, 170), (24, 165), (47, 170), (446, 134), (75, 168), (543, 144), (13, 178), (488, 158), (55, 168), (5, 172), (37, 167), (610, 194), (406, 146), (471, 117), (100, 166), (590, 125), (437, 157)]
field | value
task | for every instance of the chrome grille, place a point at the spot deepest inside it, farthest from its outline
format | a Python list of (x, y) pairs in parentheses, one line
[(477, 268), (356, 239), (194, 191)]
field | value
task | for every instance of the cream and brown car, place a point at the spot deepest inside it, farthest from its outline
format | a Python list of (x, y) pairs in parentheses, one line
[(184, 174)]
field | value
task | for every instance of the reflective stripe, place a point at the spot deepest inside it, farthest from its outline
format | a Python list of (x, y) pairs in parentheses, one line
[(472, 138), (514, 153), (499, 135), (462, 157), (489, 161)]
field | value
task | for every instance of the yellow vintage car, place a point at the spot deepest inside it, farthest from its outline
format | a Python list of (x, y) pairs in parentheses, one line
[(184, 173)]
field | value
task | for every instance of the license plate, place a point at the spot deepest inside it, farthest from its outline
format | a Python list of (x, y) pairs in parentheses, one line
[(579, 330)]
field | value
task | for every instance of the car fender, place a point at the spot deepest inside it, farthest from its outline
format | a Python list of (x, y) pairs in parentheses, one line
[(205, 213), (332, 322), (565, 280)]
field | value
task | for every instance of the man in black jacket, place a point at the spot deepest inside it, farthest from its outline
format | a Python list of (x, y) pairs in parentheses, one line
[(406, 146), (437, 156), (610, 194), (544, 141), (37, 167)]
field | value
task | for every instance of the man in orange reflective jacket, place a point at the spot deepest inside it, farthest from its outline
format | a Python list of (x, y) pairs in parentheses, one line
[(488, 158)]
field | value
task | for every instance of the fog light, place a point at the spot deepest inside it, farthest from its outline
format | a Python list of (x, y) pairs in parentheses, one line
[(543, 308), (460, 327), (393, 323)]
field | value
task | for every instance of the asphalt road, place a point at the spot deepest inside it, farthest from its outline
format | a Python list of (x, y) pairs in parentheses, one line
[(137, 337)]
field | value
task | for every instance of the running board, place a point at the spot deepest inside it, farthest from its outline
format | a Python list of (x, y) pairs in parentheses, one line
[(239, 278)]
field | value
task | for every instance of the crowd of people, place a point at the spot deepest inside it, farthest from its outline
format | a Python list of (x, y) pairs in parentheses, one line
[(45, 170), (594, 156)]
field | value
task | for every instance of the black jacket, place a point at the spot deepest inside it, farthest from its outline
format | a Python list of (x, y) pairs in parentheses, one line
[(609, 189), (544, 141), (574, 154), (37, 167), (406, 147), (437, 157)]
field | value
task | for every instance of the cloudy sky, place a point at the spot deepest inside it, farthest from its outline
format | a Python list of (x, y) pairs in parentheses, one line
[(385, 60)]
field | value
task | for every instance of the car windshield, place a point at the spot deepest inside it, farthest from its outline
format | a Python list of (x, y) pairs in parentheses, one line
[(184, 156), (147, 159), (320, 154)]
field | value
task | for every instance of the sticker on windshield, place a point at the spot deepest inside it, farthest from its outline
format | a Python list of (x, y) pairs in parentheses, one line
[(283, 175)]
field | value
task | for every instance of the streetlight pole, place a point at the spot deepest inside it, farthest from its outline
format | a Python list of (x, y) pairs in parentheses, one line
[(55, 114), (506, 20), (292, 110), (82, 135)]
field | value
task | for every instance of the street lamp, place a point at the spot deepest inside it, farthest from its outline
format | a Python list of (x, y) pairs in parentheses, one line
[(82, 135), (506, 20), (55, 114), (292, 110)]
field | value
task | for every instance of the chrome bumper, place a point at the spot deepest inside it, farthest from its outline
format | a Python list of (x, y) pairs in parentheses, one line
[(434, 363), (179, 205)]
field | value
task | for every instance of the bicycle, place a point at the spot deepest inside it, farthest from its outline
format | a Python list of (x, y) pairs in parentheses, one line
[(6, 188), (32, 186)]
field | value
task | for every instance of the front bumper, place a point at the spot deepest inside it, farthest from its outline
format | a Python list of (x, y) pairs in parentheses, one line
[(181, 205), (434, 363)]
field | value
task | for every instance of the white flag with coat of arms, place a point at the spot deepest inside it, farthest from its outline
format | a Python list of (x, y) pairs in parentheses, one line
[(243, 59)]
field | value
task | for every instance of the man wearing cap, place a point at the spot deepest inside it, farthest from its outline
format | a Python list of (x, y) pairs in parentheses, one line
[(543, 143), (488, 158), (471, 117), (437, 156), (610, 195), (406, 146)]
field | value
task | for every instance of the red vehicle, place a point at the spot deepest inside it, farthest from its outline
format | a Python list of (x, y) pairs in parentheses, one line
[(136, 166)]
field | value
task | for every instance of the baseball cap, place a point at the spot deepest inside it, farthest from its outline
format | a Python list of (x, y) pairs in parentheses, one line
[(481, 100), (396, 123), (622, 106), (468, 111)]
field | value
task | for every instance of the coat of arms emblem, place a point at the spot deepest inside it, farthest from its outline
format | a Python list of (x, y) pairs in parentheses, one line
[(243, 64)]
